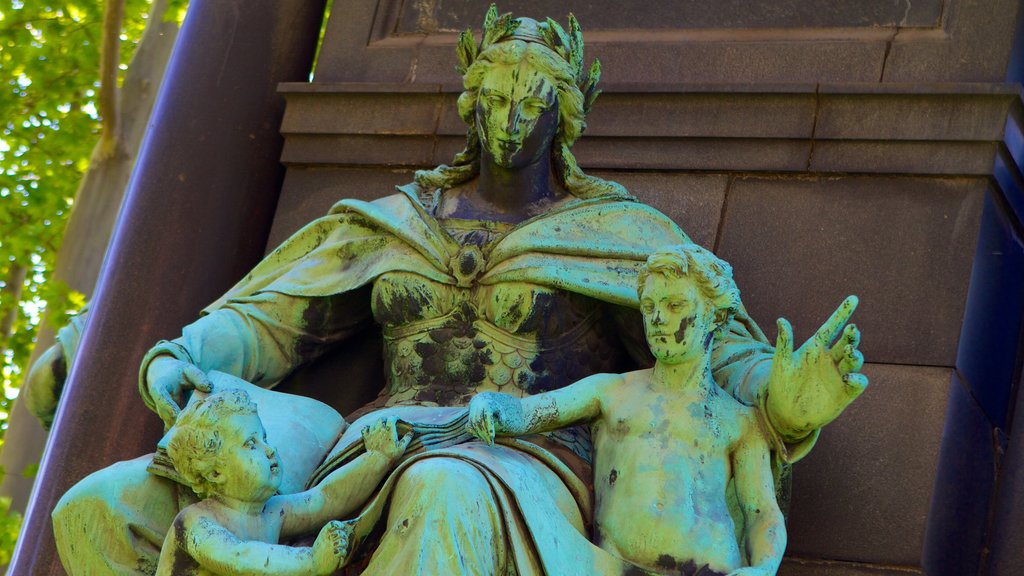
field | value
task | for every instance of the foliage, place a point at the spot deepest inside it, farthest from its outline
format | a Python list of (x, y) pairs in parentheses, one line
[(10, 525), (49, 66)]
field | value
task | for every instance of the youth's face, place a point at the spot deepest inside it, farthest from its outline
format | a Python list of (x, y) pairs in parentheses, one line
[(516, 114), (249, 467), (677, 319)]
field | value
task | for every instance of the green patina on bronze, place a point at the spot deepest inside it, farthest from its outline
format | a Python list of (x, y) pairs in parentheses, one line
[(668, 441), (220, 448), (509, 271)]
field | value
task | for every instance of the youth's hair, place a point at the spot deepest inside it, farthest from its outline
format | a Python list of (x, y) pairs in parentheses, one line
[(571, 122), (195, 443), (712, 275)]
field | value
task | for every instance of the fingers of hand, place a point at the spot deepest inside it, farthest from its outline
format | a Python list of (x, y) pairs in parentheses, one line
[(849, 340), (167, 408), (855, 382), (406, 440), (852, 361), (193, 377), (784, 342), (831, 328)]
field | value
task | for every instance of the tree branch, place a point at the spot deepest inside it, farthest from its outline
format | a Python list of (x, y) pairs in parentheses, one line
[(12, 293), (110, 58)]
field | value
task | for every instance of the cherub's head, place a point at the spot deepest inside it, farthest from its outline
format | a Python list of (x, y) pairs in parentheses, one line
[(219, 446), (686, 295)]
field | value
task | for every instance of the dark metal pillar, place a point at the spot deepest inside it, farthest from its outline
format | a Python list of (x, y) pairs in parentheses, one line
[(196, 218)]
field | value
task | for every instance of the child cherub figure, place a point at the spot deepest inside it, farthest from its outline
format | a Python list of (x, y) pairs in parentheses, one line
[(667, 440), (219, 445)]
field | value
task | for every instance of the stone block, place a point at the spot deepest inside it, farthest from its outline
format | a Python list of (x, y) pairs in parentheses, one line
[(805, 567), (380, 112), (863, 493), (690, 115), (433, 15), (693, 154), (741, 59), (358, 149), (893, 157), (911, 116), (904, 245), (973, 46)]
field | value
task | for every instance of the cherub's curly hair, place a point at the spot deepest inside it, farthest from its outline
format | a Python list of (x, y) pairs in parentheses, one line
[(571, 121), (195, 443), (712, 275)]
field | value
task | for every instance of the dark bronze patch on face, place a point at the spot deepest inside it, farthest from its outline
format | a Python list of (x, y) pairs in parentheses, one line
[(684, 324)]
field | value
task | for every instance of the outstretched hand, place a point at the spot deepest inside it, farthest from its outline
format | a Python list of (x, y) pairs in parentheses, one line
[(169, 381), (811, 386)]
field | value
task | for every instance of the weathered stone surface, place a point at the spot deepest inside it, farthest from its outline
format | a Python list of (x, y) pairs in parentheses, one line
[(893, 157), (805, 567), (720, 115), (433, 15), (910, 116), (974, 45), (816, 41), (693, 154), (863, 493), (358, 149), (382, 111), (904, 245)]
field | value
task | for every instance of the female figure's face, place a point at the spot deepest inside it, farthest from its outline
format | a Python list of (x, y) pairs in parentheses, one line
[(516, 114)]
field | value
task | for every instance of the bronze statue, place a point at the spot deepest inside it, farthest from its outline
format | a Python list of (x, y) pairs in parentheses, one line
[(667, 440), (509, 271)]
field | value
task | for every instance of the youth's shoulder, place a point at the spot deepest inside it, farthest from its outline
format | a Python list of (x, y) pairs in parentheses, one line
[(747, 417)]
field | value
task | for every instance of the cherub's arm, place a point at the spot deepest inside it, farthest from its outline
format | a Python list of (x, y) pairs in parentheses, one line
[(219, 551), (765, 534), (493, 414), (348, 487)]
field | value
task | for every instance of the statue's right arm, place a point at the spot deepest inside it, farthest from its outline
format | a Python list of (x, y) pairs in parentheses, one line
[(495, 414), (260, 338), (221, 552)]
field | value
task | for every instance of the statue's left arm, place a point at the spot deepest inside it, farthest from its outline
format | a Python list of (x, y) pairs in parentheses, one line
[(800, 391)]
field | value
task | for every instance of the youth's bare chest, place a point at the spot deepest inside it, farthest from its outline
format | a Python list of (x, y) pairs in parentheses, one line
[(694, 425)]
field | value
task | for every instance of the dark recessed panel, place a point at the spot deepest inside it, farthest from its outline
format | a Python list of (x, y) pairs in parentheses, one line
[(445, 15)]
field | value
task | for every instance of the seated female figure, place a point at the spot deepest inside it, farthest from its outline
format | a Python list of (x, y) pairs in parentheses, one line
[(510, 271)]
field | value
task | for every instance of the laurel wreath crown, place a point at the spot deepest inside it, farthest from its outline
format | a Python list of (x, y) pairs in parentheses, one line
[(568, 45)]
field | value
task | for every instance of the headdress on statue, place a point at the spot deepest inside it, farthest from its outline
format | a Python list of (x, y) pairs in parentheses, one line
[(550, 34), (576, 91)]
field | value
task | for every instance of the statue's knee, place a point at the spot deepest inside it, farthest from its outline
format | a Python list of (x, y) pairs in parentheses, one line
[(444, 476)]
